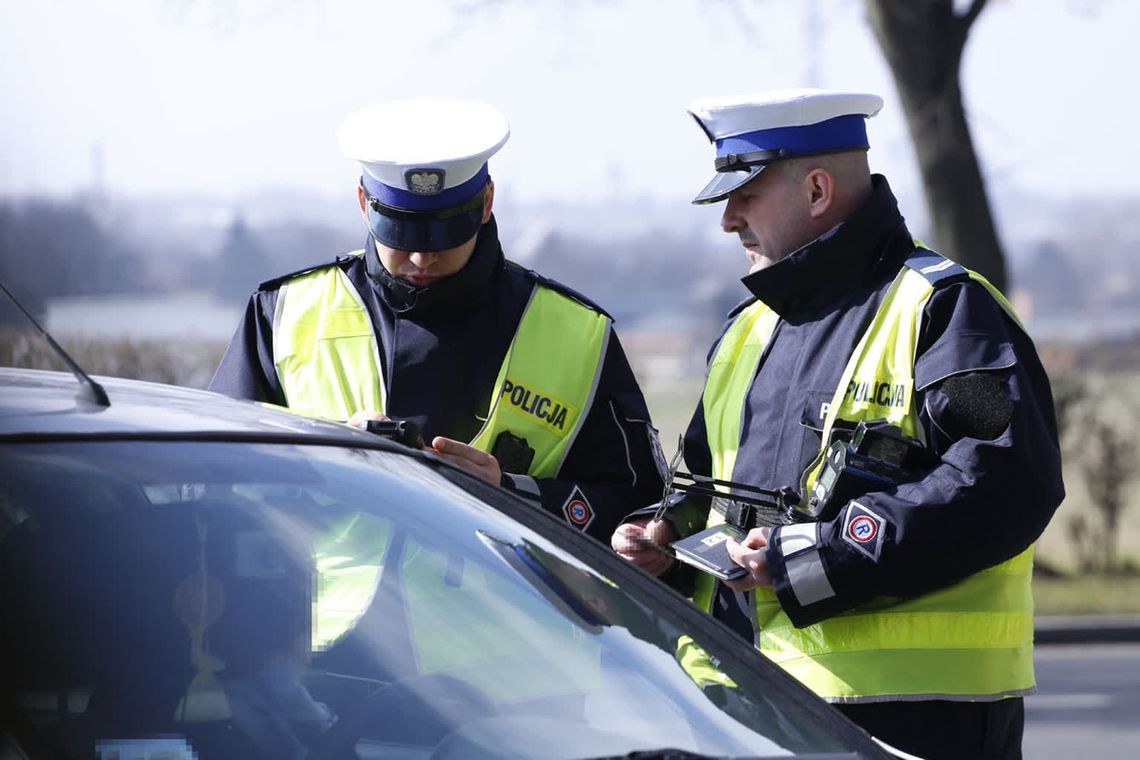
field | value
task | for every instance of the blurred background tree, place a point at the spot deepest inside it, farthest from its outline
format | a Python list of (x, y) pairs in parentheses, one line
[(922, 41)]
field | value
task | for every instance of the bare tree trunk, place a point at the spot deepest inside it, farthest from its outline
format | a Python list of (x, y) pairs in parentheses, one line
[(922, 41)]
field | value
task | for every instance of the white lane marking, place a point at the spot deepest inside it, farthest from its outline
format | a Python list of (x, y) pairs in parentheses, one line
[(1067, 701)]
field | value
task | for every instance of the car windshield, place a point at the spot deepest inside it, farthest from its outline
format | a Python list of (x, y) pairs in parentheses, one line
[(241, 599)]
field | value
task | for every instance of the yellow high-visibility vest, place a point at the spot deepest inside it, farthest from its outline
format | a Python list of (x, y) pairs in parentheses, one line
[(973, 639), (328, 363)]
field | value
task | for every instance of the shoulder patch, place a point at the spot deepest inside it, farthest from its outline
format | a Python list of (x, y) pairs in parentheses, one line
[(935, 267), (276, 282), (577, 509), (863, 530), (558, 287)]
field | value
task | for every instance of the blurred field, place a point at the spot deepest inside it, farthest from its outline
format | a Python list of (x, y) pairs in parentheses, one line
[(1087, 595), (671, 405), (182, 362), (1105, 408), (1056, 547)]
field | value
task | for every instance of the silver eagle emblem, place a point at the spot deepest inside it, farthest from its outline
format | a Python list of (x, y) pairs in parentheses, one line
[(425, 181)]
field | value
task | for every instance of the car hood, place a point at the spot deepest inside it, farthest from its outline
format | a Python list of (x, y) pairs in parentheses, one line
[(37, 402)]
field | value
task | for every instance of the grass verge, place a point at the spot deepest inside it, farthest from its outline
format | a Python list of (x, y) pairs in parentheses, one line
[(1087, 595)]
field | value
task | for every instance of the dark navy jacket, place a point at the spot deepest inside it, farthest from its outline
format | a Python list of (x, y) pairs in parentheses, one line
[(984, 402), (442, 347)]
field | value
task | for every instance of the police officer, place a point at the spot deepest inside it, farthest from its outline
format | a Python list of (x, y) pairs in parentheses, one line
[(509, 375), (910, 608)]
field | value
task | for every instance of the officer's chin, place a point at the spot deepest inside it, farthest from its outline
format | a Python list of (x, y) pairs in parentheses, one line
[(419, 281), (759, 260), (758, 263)]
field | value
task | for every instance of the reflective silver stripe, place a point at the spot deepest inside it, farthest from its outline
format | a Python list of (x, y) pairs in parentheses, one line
[(278, 308), (589, 399), (797, 538), (803, 564), (525, 484), (909, 697), (937, 267), (807, 578), (347, 282), (498, 391)]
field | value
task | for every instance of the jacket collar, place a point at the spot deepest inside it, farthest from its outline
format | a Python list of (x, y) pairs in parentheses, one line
[(865, 249), (457, 292)]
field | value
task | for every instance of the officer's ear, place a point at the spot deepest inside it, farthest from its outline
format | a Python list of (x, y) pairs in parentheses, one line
[(488, 201), (360, 196), (820, 187)]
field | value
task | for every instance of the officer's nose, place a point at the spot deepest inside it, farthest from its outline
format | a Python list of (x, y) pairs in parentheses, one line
[(730, 220), (422, 259)]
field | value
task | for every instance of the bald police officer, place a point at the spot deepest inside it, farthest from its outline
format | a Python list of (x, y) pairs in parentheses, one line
[(510, 375), (900, 591)]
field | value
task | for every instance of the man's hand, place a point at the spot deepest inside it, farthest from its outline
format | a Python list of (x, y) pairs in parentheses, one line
[(635, 541), (750, 555), (360, 419), (469, 458)]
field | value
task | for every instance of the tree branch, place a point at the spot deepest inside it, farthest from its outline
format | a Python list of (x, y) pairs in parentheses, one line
[(961, 26), (967, 19)]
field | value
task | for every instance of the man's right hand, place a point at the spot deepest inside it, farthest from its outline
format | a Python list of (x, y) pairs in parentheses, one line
[(642, 542), (360, 419)]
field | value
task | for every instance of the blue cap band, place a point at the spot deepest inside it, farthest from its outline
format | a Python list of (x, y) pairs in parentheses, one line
[(840, 133), (406, 199)]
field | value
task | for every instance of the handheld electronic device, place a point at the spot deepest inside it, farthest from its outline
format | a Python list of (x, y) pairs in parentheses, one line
[(875, 457), (513, 452), (400, 431)]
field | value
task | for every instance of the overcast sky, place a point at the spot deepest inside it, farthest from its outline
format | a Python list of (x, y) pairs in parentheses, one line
[(226, 97)]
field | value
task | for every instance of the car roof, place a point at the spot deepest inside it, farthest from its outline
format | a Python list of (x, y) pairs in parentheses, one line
[(49, 403)]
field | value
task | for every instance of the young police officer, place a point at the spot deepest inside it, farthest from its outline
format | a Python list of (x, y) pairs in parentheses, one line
[(910, 608), (511, 376)]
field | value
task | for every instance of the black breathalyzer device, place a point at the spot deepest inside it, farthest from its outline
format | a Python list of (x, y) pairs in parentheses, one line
[(874, 457), (400, 431), (513, 452)]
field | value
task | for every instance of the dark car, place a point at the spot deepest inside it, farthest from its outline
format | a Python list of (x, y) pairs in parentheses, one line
[(183, 575)]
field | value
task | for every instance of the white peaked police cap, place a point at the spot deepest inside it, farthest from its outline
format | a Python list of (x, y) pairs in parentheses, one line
[(752, 131), (424, 167), (426, 153)]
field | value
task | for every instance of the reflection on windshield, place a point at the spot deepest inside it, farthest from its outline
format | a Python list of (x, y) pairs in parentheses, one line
[(585, 612), (289, 602)]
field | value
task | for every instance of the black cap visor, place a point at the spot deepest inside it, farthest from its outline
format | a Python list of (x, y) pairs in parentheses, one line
[(726, 181), (424, 231)]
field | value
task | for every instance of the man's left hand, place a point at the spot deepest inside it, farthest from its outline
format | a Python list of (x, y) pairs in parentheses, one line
[(750, 554), (469, 458), (630, 539)]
